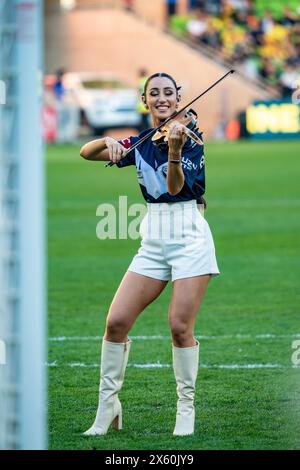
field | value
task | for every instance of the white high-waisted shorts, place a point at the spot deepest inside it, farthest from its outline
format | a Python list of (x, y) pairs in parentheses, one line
[(176, 243)]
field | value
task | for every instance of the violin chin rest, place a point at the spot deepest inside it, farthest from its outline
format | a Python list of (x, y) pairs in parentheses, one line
[(158, 135)]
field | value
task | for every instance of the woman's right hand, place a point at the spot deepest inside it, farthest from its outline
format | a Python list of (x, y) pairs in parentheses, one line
[(115, 149), (176, 137)]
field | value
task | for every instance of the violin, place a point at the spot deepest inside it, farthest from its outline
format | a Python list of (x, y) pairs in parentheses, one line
[(189, 120)]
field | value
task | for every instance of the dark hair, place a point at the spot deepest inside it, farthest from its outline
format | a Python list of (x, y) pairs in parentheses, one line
[(160, 74)]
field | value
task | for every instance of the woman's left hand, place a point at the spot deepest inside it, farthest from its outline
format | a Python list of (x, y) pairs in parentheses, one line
[(176, 137)]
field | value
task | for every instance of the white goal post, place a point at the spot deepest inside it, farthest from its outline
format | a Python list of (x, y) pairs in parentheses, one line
[(22, 234)]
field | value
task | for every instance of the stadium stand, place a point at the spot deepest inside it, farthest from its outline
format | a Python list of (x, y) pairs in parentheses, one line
[(259, 38)]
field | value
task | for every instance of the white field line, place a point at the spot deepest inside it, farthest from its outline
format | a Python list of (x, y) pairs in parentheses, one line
[(244, 203), (160, 337), (158, 365)]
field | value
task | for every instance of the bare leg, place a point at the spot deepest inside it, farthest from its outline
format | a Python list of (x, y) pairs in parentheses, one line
[(132, 297), (186, 299)]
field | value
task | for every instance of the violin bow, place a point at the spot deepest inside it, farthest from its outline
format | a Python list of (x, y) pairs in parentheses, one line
[(153, 131)]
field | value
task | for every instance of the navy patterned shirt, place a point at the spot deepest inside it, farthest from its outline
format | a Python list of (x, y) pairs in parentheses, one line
[(151, 165)]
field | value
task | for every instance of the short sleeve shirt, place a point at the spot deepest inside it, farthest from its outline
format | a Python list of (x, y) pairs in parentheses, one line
[(151, 164)]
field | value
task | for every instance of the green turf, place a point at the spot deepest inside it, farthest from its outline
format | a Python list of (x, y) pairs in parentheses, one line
[(253, 210)]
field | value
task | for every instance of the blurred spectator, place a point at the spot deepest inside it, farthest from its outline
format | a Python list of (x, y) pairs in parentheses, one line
[(267, 22), (212, 7), (233, 39), (239, 5), (128, 5), (58, 87), (196, 27), (289, 18), (211, 36), (255, 31), (171, 8), (240, 18), (193, 4), (248, 65), (289, 80), (143, 112), (226, 9), (269, 72)]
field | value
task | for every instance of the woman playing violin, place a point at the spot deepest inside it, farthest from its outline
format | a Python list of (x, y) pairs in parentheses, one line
[(176, 246)]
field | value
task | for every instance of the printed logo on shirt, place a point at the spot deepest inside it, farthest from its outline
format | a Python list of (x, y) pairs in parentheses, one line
[(126, 143), (187, 164), (202, 162), (164, 169)]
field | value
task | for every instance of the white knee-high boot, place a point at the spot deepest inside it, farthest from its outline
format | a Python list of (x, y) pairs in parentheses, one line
[(185, 364), (114, 358)]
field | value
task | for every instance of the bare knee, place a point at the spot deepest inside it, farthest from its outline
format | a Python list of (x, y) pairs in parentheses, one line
[(116, 329), (182, 334)]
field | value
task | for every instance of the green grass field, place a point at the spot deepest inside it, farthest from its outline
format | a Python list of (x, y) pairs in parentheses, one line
[(248, 392)]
